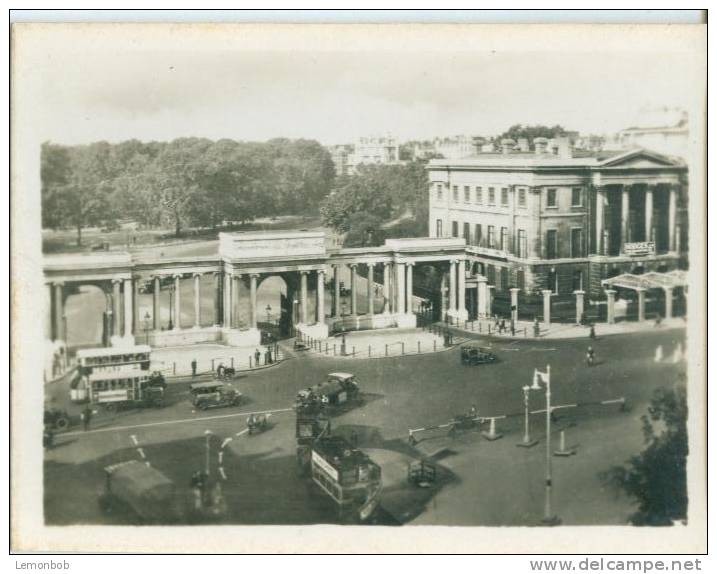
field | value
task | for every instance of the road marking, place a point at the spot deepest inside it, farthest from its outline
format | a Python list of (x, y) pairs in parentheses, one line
[(221, 471), (541, 349), (509, 349), (134, 439), (226, 442), (221, 456), (141, 452), (242, 432), (176, 421)]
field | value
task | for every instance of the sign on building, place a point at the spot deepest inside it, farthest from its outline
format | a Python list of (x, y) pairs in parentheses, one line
[(639, 248)]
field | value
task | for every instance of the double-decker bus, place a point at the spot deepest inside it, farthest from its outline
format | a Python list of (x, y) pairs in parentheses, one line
[(125, 363)]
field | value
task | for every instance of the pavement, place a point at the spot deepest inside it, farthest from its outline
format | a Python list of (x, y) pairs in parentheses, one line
[(481, 482)]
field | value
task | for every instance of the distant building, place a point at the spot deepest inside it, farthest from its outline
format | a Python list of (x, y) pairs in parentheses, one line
[(665, 130), (341, 156), (456, 147), (560, 219), (373, 150)]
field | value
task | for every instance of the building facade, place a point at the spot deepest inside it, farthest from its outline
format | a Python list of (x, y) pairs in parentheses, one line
[(559, 220)]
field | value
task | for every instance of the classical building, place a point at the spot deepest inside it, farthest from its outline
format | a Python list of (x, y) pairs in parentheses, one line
[(373, 150), (341, 156), (561, 220)]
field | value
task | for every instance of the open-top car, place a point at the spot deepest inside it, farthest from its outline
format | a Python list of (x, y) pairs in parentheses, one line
[(214, 394), (474, 355), (338, 389)]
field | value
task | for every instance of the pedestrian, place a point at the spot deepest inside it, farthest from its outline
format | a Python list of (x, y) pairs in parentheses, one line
[(536, 327), (194, 367), (86, 417), (512, 328), (502, 326), (257, 357), (267, 357)]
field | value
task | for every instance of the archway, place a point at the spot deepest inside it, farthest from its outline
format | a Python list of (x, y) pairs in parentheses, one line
[(275, 307), (87, 316)]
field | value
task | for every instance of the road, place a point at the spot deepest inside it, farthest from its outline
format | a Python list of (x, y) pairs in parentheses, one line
[(487, 483)]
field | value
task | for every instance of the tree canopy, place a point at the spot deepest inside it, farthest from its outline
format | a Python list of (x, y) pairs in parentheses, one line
[(657, 477), (185, 182), (531, 132)]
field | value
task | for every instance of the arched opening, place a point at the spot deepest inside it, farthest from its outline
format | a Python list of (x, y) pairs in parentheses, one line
[(87, 316), (275, 307)]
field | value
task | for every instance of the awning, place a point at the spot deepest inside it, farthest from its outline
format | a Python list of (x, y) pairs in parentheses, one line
[(651, 280)]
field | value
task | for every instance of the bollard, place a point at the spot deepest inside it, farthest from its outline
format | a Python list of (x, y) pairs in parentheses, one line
[(327, 348), (250, 361), (492, 434), (174, 368), (353, 351), (658, 354), (480, 327), (387, 350), (212, 364), (403, 348), (232, 362), (525, 331), (434, 345), (563, 451), (473, 325), (419, 347), (369, 351), (334, 349), (489, 328)]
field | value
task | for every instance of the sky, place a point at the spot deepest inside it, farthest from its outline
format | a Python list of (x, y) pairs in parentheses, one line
[(112, 88)]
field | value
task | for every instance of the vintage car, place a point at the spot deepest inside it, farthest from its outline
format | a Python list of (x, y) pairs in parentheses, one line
[(214, 394), (473, 355), (338, 390)]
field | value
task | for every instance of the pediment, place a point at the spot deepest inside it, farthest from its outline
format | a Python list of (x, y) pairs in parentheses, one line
[(640, 159)]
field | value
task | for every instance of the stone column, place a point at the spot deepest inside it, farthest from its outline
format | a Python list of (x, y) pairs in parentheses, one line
[(482, 296), (320, 296), (648, 214), (177, 302), (387, 288), (579, 305), (116, 312), (58, 331), (672, 218), (462, 289), (409, 288), (625, 217), (337, 293), (235, 300), (135, 307), (302, 303), (401, 288), (157, 291), (490, 292), (128, 308), (452, 288), (226, 301), (600, 221), (668, 302), (252, 300), (514, 304), (354, 309), (547, 293), (197, 307), (640, 304), (610, 306), (369, 289), (217, 299)]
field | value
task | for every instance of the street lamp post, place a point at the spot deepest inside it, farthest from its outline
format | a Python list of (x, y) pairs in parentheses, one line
[(527, 442), (208, 434), (294, 315), (549, 519), (171, 307), (268, 314)]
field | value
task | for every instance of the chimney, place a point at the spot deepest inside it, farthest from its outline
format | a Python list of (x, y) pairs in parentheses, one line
[(541, 145), (565, 148), (507, 145), (523, 145)]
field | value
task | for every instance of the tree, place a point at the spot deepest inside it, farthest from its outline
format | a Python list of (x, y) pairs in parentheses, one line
[(54, 175), (657, 477), (365, 230)]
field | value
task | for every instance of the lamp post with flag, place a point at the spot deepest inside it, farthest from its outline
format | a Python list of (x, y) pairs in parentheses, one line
[(549, 519)]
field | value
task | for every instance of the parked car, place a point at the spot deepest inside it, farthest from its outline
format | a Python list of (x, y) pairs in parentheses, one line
[(474, 355), (214, 394)]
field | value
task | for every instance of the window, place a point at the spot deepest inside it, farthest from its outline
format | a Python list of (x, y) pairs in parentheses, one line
[(504, 197), (504, 279), (454, 229), (467, 232), (491, 196), (576, 242), (503, 238), (552, 197), (522, 244), (467, 194), (551, 244), (439, 228), (491, 236), (577, 280), (479, 195), (439, 191), (521, 197), (520, 279), (576, 197), (553, 281), (490, 273), (479, 234), (455, 193)]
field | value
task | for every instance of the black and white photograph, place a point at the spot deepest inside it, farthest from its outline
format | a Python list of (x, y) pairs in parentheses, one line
[(380, 278)]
